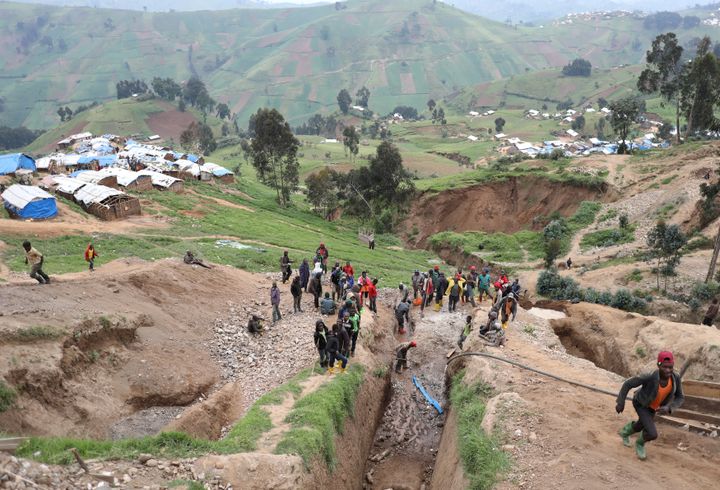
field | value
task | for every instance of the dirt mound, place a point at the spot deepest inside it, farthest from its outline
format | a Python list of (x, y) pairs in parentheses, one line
[(627, 343), (504, 206), (94, 349)]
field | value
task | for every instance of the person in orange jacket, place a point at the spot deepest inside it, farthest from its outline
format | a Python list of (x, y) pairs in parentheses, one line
[(90, 255)]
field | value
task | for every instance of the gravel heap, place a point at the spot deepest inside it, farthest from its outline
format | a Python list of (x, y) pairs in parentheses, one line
[(268, 359), (16, 473)]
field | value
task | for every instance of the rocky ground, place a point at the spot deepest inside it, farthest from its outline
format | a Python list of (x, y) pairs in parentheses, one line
[(143, 473)]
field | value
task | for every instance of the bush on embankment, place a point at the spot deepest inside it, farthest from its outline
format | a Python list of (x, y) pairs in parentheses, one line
[(557, 287)]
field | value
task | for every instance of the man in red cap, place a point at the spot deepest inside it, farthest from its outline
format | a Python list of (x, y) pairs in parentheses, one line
[(401, 352), (660, 391)]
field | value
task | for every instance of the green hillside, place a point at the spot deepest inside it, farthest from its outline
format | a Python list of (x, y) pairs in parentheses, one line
[(549, 87), (297, 59), (123, 117)]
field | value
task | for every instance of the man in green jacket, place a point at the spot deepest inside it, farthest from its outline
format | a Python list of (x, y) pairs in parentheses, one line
[(660, 392)]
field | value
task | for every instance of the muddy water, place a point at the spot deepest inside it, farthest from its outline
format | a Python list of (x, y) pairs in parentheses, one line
[(406, 442)]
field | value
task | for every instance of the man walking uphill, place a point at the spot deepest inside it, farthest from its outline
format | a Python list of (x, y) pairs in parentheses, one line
[(660, 391), (35, 259)]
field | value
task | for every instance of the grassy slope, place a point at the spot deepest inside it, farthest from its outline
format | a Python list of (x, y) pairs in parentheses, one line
[(122, 117), (248, 64)]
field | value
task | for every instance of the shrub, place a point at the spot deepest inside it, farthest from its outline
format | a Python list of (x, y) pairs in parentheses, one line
[(555, 286), (705, 291), (7, 396), (623, 221)]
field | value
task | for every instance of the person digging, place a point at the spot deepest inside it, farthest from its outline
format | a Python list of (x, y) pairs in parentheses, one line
[(660, 392), (401, 352)]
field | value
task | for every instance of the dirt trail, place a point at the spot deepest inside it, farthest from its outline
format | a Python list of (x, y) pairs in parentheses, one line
[(270, 439)]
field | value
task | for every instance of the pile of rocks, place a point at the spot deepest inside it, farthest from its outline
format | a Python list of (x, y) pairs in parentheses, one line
[(145, 472), (268, 359)]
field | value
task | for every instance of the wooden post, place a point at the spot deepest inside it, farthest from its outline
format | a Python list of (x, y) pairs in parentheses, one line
[(713, 260)]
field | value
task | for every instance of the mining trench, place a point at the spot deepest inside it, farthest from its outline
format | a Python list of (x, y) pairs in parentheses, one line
[(406, 441)]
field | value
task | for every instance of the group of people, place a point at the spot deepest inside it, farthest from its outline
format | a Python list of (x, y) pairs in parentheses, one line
[(36, 260), (339, 292), (342, 283)]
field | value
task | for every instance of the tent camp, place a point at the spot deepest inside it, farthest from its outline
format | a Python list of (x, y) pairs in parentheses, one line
[(29, 202), (9, 164)]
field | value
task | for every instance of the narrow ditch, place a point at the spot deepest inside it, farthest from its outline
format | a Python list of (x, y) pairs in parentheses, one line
[(406, 441)]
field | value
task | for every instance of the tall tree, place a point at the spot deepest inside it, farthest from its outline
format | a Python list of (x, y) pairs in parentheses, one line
[(351, 140), (663, 72), (665, 243), (700, 89), (344, 100), (322, 191), (431, 104), (274, 153), (222, 111), (362, 96), (624, 113), (198, 137)]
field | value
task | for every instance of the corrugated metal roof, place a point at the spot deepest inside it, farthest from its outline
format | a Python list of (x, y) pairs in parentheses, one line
[(21, 195)]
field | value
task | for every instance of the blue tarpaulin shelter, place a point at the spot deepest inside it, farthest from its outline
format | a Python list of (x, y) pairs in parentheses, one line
[(13, 162), (103, 161), (29, 202)]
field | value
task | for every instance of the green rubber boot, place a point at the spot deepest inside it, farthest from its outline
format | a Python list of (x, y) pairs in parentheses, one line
[(640, 447), (626, 432)]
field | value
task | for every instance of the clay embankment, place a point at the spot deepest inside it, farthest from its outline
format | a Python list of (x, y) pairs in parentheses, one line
[(504, 206), (626, 343), (562, 436), (123, 351)]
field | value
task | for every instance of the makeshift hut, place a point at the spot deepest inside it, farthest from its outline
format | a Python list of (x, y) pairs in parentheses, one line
[(128, 179), (29, 202), (216, 171), (107, 203), (65, 186), (164, 182), (9, 164), (187, 170), (95, 177)]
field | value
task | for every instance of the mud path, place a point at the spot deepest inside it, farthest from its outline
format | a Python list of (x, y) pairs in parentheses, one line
[(406, 443)]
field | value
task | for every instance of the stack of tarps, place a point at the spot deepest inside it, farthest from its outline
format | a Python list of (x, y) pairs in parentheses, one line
[(163, 182), (129, 179), (95, 177), (10, 164), (216, 171), (106, 203), (29, 202)]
